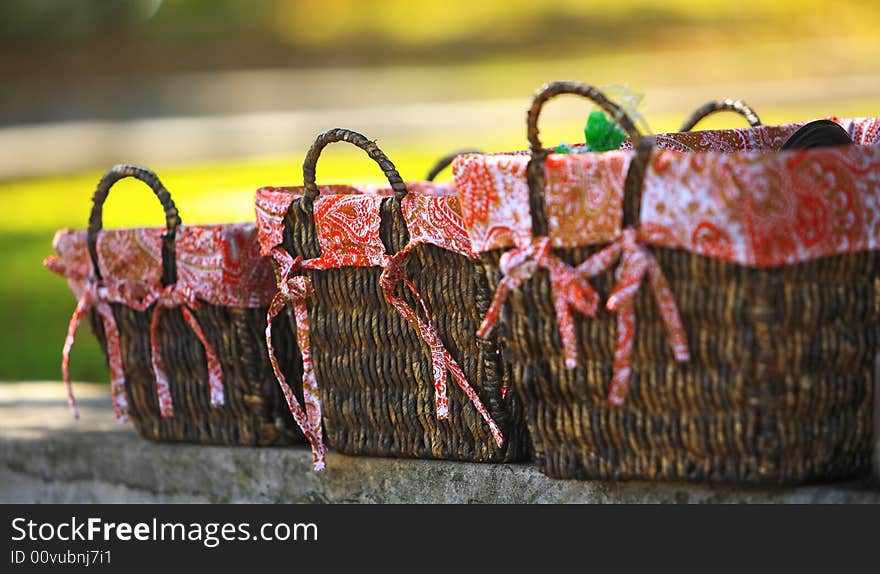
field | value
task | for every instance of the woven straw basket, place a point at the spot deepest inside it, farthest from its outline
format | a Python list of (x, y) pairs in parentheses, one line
[(180, 317), (705, 312), (388, 296)]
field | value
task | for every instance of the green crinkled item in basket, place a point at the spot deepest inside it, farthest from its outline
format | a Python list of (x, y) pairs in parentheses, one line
[(562, 148), (601, 133)]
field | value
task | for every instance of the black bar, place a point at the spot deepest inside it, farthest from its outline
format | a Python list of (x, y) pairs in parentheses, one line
[(457, 538)]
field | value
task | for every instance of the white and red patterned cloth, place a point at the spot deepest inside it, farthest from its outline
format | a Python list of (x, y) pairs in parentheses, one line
[(347, 222), (294, 290), (220, 265), (750, 207), (725, 194)]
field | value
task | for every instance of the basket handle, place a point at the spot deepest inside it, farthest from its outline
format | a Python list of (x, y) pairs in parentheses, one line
[(172, 218), (361, 141), (446, 161), (535, 170), (715, 106)]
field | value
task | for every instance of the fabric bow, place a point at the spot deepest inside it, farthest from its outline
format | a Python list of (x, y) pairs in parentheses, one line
[(182, 296), (295, 290), (97, 296), (570, 290), (635, 262), (393, 273)]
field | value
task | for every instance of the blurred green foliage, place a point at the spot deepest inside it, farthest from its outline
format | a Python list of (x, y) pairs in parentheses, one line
[(35, 308), (164, 35), (63, 20)]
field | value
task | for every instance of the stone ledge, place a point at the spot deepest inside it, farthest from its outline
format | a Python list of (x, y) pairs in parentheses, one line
[(46, 457)]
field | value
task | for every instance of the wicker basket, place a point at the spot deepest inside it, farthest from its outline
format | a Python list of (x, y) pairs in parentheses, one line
[(371, 260), (763, 373), (187, 357)]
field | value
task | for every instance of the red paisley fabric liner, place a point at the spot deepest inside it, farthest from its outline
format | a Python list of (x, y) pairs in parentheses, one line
[(295, 290), (759, 138), (221, 263), (97, 297), (348, 218), (750, 207), (570, 291), (636, 263)]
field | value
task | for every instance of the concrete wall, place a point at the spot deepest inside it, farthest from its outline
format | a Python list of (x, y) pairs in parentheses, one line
[(46, 457)]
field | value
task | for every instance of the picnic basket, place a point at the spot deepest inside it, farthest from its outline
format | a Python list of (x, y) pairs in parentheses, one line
[(180, 316), (387, 295), (749, 356)]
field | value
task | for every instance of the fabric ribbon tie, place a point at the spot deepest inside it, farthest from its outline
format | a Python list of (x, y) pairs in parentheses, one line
[(635, 262), (97, 296), (442, 362), (295, 289), (180, 295), (569, 290)]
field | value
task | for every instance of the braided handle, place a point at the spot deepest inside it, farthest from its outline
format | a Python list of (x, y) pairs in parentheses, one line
[(553, 89), (172, 217), (361, 141), (446, 161), (535, 169), (716, 106)]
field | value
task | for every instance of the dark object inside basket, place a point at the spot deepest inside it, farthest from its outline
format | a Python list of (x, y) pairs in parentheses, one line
[(819, 133)]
